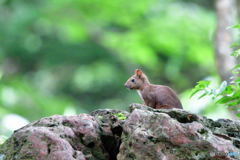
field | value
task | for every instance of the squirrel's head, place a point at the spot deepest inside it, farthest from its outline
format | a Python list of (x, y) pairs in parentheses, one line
[(137, 81)]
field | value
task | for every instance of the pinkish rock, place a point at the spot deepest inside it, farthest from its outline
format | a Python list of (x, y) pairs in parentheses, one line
[(142, 134), (176, 135), (77, 137)]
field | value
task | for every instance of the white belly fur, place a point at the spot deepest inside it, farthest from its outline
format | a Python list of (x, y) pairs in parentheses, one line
[(140, 94)]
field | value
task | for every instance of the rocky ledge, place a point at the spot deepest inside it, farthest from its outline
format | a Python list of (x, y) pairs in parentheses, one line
[(142, 134)]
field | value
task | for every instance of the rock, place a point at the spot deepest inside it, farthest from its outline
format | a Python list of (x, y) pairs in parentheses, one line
[(142, 134), (176, 134), (81, 137)]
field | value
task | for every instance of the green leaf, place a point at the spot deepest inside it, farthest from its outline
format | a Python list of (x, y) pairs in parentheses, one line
[(234, 103), (237, 81), (236, 53), (120, 116), (233, 45), (236, 67), (238, 114), (2, 139), (224, 100), (235, 26), (194, 91), (203, 84), (236, 94), (204, 94)]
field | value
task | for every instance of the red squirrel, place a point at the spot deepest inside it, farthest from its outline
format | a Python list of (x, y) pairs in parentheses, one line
[(155, 96)]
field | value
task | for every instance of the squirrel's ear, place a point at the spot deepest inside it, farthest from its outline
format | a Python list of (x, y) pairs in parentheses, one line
[(138, 72)]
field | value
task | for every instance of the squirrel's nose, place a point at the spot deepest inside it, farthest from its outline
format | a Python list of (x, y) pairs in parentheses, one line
[(125, 85)]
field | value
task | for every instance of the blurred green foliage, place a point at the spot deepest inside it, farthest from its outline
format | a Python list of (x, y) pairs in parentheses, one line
[(227, 93), (68, 57)]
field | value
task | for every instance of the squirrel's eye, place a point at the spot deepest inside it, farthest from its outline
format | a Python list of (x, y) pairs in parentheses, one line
[(133, 80)]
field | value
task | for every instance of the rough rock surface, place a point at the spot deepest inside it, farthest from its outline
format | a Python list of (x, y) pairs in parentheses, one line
[(81, 137), (142, 134)]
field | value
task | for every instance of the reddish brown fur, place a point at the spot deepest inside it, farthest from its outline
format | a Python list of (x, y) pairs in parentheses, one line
[(155, 96)]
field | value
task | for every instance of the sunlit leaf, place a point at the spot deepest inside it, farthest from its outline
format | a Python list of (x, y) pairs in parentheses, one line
[(235, 26), (201, 85)]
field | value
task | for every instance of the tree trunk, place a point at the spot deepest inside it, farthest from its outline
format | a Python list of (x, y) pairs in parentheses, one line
[(238, 10), (226, 10)]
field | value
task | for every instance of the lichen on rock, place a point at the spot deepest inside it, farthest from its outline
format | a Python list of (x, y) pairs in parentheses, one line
[(144, 133)]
